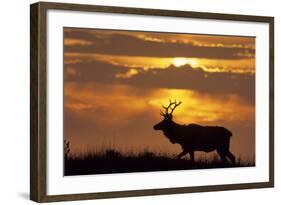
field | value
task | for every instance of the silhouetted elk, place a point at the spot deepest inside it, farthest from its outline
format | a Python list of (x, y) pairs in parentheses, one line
[(195, 137)]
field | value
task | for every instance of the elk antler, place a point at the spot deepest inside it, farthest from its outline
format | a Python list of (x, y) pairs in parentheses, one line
[(169, 107), (176, 105)]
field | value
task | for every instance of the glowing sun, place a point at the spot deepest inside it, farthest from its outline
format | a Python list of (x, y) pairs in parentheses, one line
[(179, 62)]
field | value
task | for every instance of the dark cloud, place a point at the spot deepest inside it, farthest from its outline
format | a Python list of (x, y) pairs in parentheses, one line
[(93, 71), (126, 45), (81, 34), (184, 77), (196, 79)]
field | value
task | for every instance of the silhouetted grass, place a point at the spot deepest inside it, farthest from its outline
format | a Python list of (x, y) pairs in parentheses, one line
[(112, 161)]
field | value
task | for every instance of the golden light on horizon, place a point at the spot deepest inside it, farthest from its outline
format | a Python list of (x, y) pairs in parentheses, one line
[(195, 107), (193, 62), (179, 62), (129, 62)]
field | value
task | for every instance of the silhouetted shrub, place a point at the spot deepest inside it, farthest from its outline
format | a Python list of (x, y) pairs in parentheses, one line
[(66, 148), (110, 161)]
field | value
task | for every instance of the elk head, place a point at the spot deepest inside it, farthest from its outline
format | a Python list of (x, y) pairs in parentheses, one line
[(168, 115)]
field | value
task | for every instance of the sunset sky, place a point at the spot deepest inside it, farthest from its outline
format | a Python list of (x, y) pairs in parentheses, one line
[(115, 83)]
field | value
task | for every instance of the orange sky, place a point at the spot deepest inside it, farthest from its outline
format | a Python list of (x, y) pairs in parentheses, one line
[(116, 81)]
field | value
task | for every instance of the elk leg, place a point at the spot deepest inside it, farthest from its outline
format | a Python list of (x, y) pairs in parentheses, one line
[(191, 156), (182, 154), (231, 157), (222, 156)]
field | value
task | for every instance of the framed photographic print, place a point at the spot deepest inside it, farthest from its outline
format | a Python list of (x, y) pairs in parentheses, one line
[(133, 102)]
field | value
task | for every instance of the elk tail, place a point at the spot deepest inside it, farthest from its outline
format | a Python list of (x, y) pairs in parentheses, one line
[(228, 133)]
